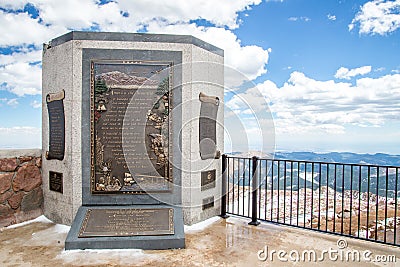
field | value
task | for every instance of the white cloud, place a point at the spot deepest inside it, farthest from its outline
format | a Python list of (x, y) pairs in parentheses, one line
[(299, 18), (25, 55), (331, 17), (57, 17), (377, 17), (345, 73), (236, 56), (304, 105), (20, 29), (12, 102), (221, 13), (22, 78)]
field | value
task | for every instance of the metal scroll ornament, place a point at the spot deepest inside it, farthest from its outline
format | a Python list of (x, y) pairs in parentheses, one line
[(55, 108), (207, 127)]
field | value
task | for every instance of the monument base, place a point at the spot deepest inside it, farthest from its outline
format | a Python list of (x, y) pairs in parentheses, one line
[(122, 227)]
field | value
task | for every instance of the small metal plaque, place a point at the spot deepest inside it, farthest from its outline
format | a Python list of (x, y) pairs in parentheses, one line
[(127, 222), (55, 108), (208, 203), (56, 181), (207, 180)]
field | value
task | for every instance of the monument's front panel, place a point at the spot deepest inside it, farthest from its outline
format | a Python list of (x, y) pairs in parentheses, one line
[(130, 127)]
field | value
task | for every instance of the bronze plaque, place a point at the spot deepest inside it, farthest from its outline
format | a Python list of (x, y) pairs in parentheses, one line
[(127, 222), (56, 181), (55, 108), (130, 131), (207, 180), (208, 203)]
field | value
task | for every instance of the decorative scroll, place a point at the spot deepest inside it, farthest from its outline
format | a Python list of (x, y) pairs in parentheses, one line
[(130, 129), (208, 126), (55, 108), (127, 222)]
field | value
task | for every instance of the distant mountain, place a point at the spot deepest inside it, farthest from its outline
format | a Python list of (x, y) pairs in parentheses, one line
[(342, 157), (277, 174), (339, 157), (117, 78)]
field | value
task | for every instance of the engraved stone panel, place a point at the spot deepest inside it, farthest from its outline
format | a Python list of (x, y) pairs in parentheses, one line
[(207, 180), (56, 181), (130, 126), (127, 222)]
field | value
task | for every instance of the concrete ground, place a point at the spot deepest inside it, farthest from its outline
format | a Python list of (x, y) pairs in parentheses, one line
[(216, 242)]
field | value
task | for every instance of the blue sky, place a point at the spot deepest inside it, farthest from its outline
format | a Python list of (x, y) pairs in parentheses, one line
[(328, 70)]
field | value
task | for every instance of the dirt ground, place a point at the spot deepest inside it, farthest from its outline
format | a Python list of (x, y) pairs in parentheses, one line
[(228, 242)]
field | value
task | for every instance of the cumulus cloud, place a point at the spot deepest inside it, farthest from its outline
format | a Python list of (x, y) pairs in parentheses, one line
[(305, 105), (236, 56), (345, 73), (377, 17), (20, 29), (22, 78), (56, 17)]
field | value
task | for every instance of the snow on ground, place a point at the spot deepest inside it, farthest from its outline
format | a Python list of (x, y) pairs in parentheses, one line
[(201, 225), (40, 219)]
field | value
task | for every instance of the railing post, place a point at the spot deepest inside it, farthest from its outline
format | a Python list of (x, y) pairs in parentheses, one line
[(224, 189), (254, 190)]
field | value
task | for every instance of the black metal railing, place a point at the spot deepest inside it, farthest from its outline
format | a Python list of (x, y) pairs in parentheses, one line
[(352, 200)]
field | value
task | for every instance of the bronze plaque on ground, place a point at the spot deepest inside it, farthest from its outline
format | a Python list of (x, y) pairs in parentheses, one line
[(207, 180), (130, 127), (56, 181), (127, 222)]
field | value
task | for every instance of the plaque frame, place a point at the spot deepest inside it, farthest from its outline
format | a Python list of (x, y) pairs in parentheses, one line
[(169, 177), (87, 222)]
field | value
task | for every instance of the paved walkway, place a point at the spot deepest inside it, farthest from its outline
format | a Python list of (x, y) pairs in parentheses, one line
[(221, 242)]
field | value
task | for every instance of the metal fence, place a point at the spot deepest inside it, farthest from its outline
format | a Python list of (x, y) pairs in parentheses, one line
[(352, 200)]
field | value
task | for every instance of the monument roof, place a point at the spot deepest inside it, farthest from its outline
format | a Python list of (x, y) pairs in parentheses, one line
[(135, 37)]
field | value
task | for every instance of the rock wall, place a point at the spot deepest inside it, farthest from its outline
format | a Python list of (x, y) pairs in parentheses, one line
[(21, 195)]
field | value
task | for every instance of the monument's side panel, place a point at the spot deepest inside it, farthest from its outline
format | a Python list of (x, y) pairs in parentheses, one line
[(57, 179), (202, 199)]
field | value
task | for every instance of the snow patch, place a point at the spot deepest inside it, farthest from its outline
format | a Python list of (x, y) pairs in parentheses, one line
[(201, 225), (61, 228), (40, 219)]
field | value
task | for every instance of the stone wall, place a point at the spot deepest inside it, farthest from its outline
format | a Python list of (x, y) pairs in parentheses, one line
[(21, 195)]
